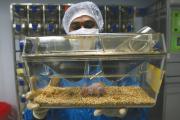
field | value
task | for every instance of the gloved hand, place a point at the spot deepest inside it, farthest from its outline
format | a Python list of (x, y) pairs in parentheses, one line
[(38, 112), (111, 112)]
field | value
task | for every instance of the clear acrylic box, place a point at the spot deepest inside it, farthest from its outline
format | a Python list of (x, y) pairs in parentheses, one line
[(105, 70)]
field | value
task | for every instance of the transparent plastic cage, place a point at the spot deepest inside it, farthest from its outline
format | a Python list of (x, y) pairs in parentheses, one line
[(101, 71)]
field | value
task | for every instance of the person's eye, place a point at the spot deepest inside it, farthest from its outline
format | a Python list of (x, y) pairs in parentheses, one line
[(75, 26), (89, 24)]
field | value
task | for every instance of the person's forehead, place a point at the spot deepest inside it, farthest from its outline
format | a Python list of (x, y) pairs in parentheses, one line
[(83, 18)]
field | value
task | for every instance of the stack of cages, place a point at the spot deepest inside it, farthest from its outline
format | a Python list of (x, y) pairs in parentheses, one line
[(112, 70), (113, 19), (127, 18), (118, 18), (155, 16), (20, 30), (52, 21), (36, 21)]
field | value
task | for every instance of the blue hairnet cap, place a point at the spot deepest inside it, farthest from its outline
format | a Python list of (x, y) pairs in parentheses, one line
[(80, 9)]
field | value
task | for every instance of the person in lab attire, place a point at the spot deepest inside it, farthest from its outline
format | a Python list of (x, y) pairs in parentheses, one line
[(83, 18)]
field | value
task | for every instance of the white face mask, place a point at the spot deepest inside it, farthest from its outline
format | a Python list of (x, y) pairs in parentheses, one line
[(85, 31), (83, 44)]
